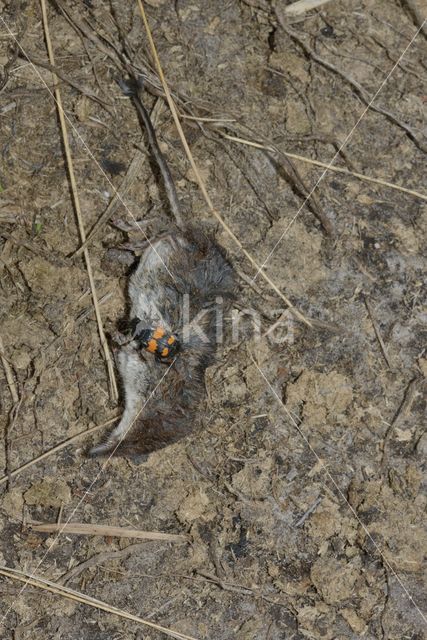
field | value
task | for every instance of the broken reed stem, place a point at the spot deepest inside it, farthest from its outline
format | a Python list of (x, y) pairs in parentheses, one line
[(76, 201), (55, 449), (378, 334), (324, 165), (302, 6), (199, 178), (77, 596), (84, 529), (9, 375)]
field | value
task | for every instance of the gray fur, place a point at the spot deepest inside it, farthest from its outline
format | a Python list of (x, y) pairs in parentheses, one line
[(168, 270)]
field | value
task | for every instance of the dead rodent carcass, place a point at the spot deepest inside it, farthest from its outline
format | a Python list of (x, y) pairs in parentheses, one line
[(177, 275), (180, 275)]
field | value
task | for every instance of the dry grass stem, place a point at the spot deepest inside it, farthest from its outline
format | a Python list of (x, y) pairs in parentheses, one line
[(76, 201), (77, 596), (200, 180), (101, 558), (55, 449), (324, 165), (82, 529)]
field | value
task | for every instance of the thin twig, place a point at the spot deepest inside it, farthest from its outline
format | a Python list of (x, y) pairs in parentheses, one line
[(103, 340), (309, 511), (82, 529), (324, 165), (24, 243), (86, 92), (242, 589), (57, 448), (403, 410), (378, 334), (200, 180), (224, 584), (293, 177), (361, 92), (101, 558), (77, 596)]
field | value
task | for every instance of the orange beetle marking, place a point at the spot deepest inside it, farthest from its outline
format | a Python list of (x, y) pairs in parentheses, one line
[(157, 341), (152, 346)]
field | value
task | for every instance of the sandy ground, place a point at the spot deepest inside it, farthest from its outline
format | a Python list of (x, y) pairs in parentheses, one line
[(302, 490)]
